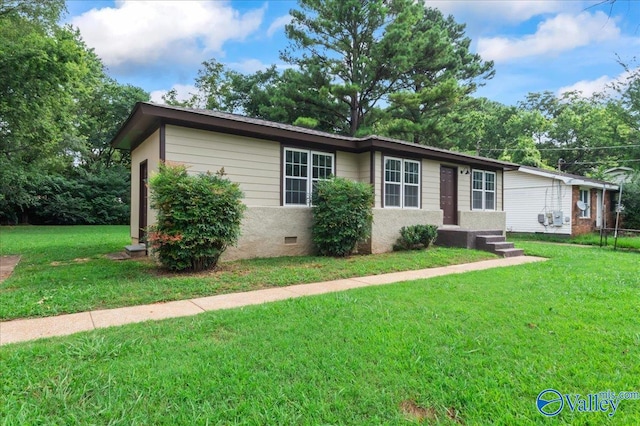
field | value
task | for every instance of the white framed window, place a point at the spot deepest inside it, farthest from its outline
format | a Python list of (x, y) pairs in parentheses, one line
[(302, 169), (483, 190), (401, 183), (585, 197)]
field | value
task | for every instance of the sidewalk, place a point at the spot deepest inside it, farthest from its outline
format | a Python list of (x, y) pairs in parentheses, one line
[(30, 329)]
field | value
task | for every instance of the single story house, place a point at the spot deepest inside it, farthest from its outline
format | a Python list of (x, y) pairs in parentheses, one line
[(551, 202), (276, 164)]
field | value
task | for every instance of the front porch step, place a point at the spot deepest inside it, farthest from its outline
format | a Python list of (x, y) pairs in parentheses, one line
[(492, 241), (497, 244), (510, 252)]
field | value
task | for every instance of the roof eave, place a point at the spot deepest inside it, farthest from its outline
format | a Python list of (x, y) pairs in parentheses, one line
[(146, 117)]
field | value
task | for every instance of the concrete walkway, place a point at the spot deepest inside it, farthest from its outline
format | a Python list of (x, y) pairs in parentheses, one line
[(35, 328)]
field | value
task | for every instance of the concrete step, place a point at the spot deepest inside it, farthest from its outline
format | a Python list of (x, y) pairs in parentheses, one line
[(500, 245), (510, 252), (136, 250), (490, 238)]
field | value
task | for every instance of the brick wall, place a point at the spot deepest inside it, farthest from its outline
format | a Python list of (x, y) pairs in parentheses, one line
[(582, 225)]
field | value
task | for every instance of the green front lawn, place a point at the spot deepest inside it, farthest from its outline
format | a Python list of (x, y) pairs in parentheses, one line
[(624, 242), (473, 349), (64, 270)]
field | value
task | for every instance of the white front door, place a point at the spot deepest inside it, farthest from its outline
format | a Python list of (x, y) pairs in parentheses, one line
[(599, 209)]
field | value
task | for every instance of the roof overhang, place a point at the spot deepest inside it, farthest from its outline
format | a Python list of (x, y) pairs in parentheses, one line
[(147, 117), (570, 179)]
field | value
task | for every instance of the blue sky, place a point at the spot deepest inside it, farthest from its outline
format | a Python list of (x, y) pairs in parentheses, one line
[(554, 45)]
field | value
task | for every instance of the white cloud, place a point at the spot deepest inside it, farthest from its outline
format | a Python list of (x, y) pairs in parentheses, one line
[(142, 32), (501, 11), (183, 92), (600, 85), (278, 23), (251, 66), (248, 66), (558, 34)]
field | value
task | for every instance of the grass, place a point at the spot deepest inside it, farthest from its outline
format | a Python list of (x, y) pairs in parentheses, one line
[(624, 242), (472, 349), (63, 270)]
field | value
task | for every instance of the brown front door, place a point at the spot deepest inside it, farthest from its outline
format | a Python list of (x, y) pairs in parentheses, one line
[(448, 195), (144, 195)]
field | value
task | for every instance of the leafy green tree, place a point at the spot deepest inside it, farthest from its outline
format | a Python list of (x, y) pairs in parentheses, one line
[(631, 203), (441, 73), (58, 112), (360, 45), (101, 112), (42, 67), (580, 132)]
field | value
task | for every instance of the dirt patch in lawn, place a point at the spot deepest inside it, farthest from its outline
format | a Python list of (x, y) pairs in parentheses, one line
[(7, 265), (414, 412)]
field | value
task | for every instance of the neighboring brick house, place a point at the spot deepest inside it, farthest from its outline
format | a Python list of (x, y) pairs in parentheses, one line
[(546, 201), (276, 165)]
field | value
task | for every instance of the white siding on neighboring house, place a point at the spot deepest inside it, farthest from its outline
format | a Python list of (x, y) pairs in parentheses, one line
[(526, 196), (253, 163)]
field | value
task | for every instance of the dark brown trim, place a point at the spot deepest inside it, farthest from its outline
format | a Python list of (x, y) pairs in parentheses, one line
[(420, 184), (282, 175), (382, 173), (143, 199), (163, 144), (147, 117), (501, 192), (372, 168)]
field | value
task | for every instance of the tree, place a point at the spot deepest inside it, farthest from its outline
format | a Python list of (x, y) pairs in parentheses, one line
[(58, 112), (41, 68), (371, 49), (101, 112), (582, 132), (442, 73)]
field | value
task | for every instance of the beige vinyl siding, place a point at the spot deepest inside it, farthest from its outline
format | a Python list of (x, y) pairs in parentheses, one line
[(347, 165), (464, 188), (148, 150), (526, 196), (252, 163), (364, 161), (430, 185), (353, 166)]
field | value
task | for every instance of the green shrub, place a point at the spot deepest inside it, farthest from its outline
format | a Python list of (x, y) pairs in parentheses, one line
[(99, 196), (198, 217), (631, 203), (416, 237), (342, 215)]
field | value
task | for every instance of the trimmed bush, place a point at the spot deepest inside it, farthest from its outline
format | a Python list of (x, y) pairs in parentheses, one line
[(198, 217), (416, 237), (342, 215)]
